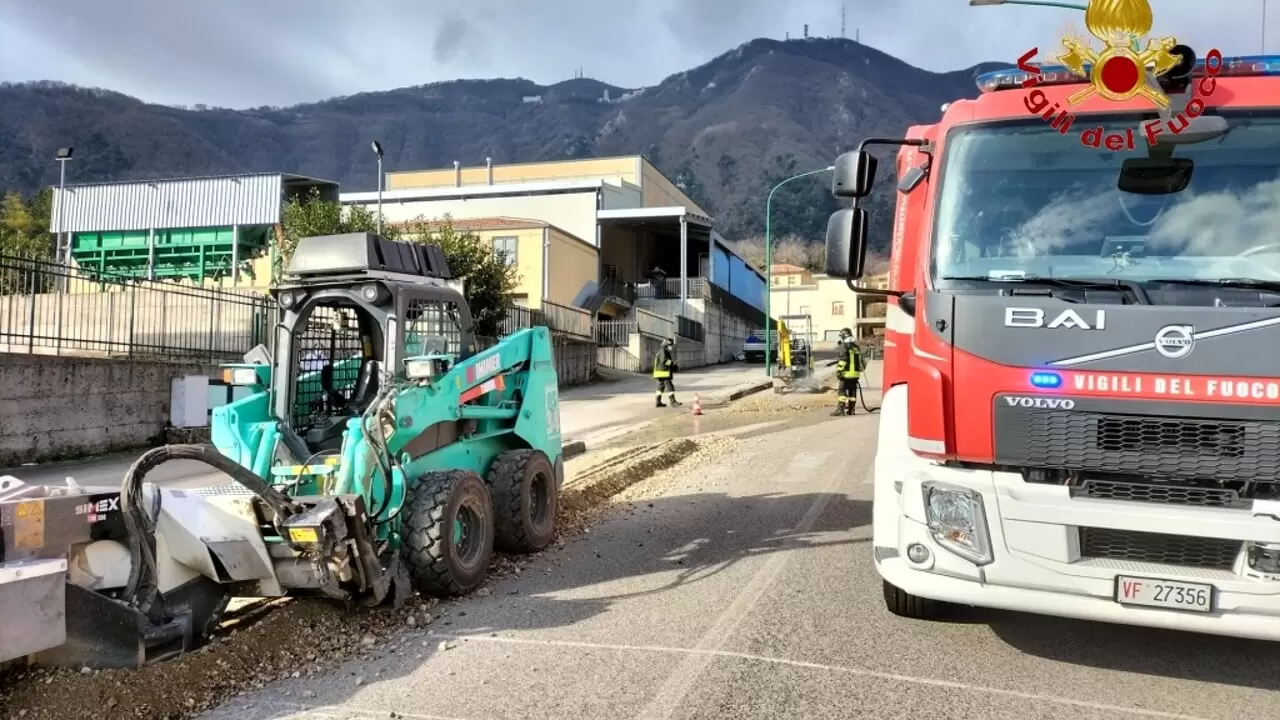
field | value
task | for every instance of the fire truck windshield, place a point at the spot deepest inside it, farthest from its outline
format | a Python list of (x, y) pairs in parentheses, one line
[(1019, 197)]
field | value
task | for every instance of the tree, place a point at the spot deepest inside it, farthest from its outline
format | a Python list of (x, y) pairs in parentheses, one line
[(489, 281), (24, 227), (789, 250), (311, 216)]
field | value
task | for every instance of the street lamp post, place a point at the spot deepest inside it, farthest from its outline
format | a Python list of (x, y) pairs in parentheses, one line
[(768, 265), (1264, 27), (377, 150), (63, 156)]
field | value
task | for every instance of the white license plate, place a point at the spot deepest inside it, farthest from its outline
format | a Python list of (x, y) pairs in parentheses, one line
[(1168, 594)]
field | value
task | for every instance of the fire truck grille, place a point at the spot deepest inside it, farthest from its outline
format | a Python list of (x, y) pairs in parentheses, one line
[(1179, 550), (1159, 493), (1145, 446)]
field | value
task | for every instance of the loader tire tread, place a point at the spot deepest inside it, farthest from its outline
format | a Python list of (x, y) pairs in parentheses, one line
[(521, 524), (426, 543)]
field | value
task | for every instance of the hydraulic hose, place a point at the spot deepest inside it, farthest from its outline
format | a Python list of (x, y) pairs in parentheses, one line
[(141, 590)]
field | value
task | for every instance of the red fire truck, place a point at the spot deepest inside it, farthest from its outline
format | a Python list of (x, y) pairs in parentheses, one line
[(1081, 413)]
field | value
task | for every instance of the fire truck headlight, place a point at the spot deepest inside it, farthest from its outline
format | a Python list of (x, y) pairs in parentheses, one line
[(958, 521)]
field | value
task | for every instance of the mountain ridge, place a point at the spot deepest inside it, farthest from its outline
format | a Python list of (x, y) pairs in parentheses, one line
[(725, 130)]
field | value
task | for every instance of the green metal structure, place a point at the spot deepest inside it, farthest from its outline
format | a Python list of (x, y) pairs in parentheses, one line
[(194, 254)]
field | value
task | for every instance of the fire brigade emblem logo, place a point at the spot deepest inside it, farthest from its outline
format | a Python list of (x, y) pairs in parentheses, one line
[(1118, 72)]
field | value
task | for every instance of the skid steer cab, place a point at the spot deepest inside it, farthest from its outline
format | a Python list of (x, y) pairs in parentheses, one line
[(376, 450)]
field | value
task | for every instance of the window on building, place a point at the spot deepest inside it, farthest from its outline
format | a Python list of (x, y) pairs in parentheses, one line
[(777, 280), (837, 308), (804, 309), (504, 248), (792, 280)]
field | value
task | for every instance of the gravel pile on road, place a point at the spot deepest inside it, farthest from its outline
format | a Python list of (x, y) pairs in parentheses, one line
[(611, 478), (768, 402), (295, 638), (709, 451)]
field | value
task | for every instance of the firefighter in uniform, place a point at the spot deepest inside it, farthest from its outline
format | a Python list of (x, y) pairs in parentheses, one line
[(665, 366), (848, 370)]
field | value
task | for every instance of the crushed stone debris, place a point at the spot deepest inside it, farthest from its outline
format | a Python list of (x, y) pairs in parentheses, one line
[(288, 638), (281, 639)]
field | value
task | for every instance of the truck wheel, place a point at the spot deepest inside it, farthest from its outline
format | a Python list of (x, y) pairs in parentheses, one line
[(904, 604), (448, 533), (525, 500)]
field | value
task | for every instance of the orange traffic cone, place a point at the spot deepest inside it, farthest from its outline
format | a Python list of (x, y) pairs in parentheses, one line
[(697, 404)]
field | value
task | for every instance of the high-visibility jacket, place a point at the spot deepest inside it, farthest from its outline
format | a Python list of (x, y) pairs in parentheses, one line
[(663, 363), (850, 366)]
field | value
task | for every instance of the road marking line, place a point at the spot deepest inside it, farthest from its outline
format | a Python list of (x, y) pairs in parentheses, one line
[(712, 654), (803, 464), (336, 712), (668, 698)]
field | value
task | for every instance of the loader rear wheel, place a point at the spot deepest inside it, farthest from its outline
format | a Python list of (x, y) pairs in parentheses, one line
[(904, 604), (448, 533), (525, 500)]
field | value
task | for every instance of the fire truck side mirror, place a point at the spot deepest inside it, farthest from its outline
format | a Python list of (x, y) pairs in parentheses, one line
[(854, 175), (847, 243)]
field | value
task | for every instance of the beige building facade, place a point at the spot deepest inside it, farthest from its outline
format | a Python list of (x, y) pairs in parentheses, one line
[(828, 301)]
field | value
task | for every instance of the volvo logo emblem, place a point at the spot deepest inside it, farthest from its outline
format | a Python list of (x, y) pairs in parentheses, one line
[(1175, 341), (1040, 403)]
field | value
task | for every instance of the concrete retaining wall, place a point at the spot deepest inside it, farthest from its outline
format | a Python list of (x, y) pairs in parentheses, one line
[(63, 407), (575, 361), (723, 332)]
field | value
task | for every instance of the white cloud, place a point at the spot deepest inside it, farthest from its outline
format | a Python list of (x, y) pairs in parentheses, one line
[(241, 53)]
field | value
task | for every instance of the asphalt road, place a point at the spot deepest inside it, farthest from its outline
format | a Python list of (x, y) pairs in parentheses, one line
[(746, 590)]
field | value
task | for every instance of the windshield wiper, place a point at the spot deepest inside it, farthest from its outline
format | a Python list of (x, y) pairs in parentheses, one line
[(1268, 290), (1133, 287), (1241, 283)]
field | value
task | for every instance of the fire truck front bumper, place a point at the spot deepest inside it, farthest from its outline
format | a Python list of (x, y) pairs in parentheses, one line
[(990, 539)]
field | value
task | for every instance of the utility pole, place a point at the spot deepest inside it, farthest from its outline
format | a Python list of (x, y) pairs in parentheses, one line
[(377, 150), (1264, 27), (842, 16)]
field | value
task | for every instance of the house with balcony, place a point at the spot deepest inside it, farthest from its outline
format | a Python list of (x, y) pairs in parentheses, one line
[(828, 301), (659, 265)]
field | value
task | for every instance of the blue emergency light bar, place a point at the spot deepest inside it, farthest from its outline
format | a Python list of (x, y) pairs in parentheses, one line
[(1244, 66), (1046, 380)]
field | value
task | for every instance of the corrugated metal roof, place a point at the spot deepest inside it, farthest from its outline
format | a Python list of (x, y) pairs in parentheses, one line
[(484, 223), (179, 203)]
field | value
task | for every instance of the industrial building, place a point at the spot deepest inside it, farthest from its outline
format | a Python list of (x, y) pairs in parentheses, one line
[(550, 262), (218, 230), (611, 236), (656, 250)]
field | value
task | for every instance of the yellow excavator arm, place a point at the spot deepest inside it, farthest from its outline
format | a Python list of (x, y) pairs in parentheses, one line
[(784, 345)]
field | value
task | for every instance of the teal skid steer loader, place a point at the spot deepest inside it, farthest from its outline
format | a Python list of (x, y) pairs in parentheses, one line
[(375, 451)]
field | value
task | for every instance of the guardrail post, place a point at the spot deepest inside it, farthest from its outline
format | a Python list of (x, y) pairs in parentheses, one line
[(57, 346), (133, 313), (33, 283)]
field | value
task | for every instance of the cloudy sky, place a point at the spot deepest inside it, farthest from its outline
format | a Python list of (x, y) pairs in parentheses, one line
[(243, 53)]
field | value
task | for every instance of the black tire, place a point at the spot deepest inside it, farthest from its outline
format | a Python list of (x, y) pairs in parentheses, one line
[(448, 533), (525, 500), (904, 604)]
